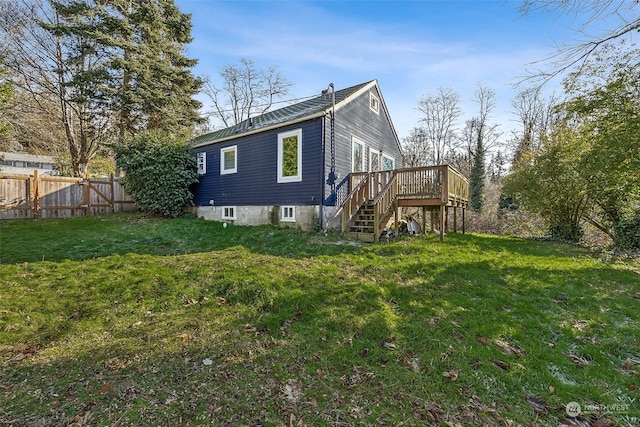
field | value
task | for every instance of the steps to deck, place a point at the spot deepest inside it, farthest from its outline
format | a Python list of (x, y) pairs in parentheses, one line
[(432, 187), (364, 220)]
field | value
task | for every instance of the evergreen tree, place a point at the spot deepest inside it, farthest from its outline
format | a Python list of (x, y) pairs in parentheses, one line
[(155, 87), (477, 177)]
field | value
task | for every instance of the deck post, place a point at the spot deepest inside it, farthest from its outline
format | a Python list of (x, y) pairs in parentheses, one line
[(424, 219), (446, 218), (463, 220), (455, 219), (442, 209), (395, 218)]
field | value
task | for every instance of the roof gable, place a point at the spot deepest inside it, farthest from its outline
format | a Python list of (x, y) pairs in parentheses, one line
[(306, 110)]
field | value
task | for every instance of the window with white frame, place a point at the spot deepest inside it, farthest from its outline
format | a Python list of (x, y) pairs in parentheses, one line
[(374, 103), (290, 156), (357, 155), (228, 212), (201, 159), (374, 160), (388, 163), (288, 214), (229, 160)]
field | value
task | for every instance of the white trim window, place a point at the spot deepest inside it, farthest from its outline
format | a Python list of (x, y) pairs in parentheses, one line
[(357, 155), (388, 163), (374, 103), (288, 214), (290, 156), (201, 160), (374, 160), (229, 160), (229, 212)]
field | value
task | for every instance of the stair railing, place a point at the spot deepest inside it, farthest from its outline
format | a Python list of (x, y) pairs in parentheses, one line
[(356, 198), (383, 204)]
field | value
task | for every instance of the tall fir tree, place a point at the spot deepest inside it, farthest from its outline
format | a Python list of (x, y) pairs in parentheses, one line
[(147, 82), (156, 87), (478, 172)]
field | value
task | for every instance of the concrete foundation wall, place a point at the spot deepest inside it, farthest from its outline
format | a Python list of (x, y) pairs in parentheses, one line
[(306, 217)]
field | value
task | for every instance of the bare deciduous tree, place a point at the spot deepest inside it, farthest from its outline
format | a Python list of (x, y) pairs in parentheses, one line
[(246, 91), (535, 114), (416, 150), (45, 64), (441, 113), (624, 15)]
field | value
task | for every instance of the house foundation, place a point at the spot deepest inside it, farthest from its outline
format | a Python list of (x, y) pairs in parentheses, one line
[(304, 217)]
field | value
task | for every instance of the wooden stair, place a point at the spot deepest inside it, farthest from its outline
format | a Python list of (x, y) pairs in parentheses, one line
[(362, 227)]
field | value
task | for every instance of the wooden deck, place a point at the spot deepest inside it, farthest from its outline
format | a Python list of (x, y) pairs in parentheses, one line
[(375, 196)]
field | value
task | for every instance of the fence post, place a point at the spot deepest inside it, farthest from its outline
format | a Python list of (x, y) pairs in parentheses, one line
[(113, 194), (36, 195), (86, 195)]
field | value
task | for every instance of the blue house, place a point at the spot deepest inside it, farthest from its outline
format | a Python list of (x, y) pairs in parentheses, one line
[(333, 161), (292, 166)]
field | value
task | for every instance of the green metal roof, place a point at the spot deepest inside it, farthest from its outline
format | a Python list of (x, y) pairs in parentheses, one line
[(292, 113)]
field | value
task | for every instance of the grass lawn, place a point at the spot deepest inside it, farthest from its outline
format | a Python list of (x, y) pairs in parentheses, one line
[(126, 320)]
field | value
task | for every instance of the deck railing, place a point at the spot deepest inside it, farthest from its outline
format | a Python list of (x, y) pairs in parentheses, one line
[(384, 188)]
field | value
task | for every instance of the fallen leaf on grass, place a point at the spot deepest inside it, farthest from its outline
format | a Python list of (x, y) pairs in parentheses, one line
[(578, 360), (207, 362), (222, 301), (185, 337), (505, 366), (257, 330), (389, 345), (508, 348), (288, 322), (359, 376), (538, 405), (452, 374), (82, 421), (482, 339), (18, 357), (429, 412), (580, 325), (292, 390), (105, 388), (627, 365)]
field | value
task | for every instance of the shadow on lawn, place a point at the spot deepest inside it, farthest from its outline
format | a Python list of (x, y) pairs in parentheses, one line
[(322, 328)]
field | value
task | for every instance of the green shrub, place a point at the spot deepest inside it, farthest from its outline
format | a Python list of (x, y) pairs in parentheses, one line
[(159, 169), (627, 233)]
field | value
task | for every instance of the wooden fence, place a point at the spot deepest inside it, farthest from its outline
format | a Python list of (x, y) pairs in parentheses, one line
[(61, 197)]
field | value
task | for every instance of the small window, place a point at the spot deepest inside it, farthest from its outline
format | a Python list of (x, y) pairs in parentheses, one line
[(374, 103), (357, 155), (374, 160), (288, 214), (229, 160), (202, 163), (388, 163), (290, 156), (228, 212)]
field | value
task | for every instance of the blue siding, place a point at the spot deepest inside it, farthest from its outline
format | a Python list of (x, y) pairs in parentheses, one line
[(255, 183), (375, 130)]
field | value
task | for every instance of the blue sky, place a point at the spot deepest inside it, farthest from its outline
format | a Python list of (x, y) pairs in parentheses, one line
[(410, 47)]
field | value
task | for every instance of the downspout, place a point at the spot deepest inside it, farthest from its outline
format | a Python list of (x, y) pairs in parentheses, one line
[(324, 144), (331, 179)]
